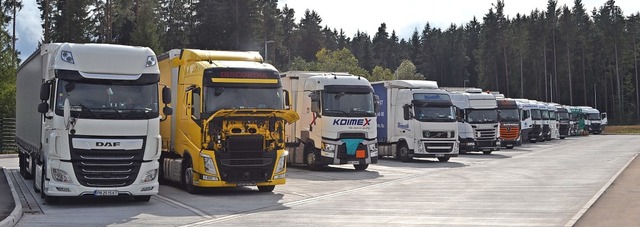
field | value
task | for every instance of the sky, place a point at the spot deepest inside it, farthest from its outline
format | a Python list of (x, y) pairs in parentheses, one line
[(401, 16)]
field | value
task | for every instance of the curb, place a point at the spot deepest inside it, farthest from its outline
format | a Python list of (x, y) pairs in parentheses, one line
[(16, 214), (593, 200)]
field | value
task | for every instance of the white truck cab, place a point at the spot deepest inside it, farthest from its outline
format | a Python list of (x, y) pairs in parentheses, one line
[(479, 127), (417, 119)]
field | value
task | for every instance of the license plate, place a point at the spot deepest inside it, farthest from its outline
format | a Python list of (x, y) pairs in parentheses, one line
[(106, 193), (246, 184), (353, 162), (439, 155)]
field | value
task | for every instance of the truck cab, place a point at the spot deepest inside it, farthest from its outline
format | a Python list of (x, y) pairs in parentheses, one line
[(338, 123), (417, 119), (509, 118), (593, 119), (563, 121), (479, 128), (96, 129)]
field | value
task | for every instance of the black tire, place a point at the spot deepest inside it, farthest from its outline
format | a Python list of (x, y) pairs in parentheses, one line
[(312, 158), (443, 159), (511, 147), (187, 177), (161, 179), (562, 138), (268, 188), (487, 152), (142, 198), (403, 153), (360, 167)]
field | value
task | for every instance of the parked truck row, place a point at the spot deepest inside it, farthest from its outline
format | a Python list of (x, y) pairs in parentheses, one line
[(114, 120)]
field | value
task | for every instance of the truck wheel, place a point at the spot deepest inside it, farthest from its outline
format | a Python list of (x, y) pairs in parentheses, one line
[(403, 153), (510, 147), (486, 152), (360, 166), (266, 188), (313, 160), (161, 179), (143, 198), (443, 159), (22, 163), (187, 177)]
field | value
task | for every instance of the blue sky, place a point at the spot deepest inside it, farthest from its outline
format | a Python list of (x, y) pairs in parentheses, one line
[(403, 16)]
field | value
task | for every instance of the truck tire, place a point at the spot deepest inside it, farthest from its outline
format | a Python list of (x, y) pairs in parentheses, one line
[(268, 188), (313, 160), (360, 166), (403, 153), (443, 159), (187, 177), (22, 163), (487, 152), (142, 198)]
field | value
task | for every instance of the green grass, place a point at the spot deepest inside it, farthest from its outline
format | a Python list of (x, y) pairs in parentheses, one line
[(623, 129)]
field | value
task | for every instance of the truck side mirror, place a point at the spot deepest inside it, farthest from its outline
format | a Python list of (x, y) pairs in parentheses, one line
[(45, 89), (315, 102), (166, 95), (167, 110), (376, 103), (407, 111), (43, 107)]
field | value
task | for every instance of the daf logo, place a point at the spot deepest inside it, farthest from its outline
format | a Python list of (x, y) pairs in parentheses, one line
[(508, 129), (107, 144)]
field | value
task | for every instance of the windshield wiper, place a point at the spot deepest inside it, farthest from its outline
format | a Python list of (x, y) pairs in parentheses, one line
[(83, 108), (339, 111)]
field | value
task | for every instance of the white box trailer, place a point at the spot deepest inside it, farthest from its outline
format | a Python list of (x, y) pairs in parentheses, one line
[(337, 120), (93, 130), (416, 120)]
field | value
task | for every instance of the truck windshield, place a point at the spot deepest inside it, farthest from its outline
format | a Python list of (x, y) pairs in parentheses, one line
[(563, 116), (536, 115), (344, 104), (482, 116), (218, 98), (573, 116), (544, 114), (435, 114), (552, 115), (509, 115), (110, 100), (593, 116)]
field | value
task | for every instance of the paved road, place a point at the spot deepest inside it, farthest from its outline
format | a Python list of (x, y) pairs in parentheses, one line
[(543, 184)]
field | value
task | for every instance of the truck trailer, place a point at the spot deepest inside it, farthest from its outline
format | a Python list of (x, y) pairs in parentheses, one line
[(338, 124), (228, 129), (416, 120), (96, 129)]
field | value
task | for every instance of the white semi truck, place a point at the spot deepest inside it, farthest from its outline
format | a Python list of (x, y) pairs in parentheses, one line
[(479, 128), (94, 128), (416, 120), (337, 120), (594, 120)]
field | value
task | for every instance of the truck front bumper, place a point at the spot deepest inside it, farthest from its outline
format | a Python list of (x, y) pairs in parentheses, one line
[(73, 188)]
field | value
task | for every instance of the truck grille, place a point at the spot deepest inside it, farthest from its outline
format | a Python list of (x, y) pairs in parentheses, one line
[(437, 135), (509, 132), (106, 168), (485, 134), (564, 129), (535, 130), (546, 130), (595, 126), (438, 147)]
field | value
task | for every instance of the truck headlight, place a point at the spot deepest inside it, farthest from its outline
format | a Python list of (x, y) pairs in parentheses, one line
[(209, 167), (373, 149), (60, 175), (151, 61), (67, 56), (281, 164), (329, 147), (150, 175)]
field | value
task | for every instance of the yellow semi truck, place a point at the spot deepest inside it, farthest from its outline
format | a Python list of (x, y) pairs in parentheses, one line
[(229, 120)]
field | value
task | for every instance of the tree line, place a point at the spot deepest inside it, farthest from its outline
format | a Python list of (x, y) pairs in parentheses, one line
[(563, 54)]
